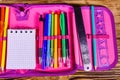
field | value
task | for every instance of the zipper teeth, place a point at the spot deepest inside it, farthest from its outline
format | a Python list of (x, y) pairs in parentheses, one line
[(14, 74)]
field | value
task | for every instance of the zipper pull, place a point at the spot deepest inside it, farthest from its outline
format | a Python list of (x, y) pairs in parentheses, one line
[(22, 13)]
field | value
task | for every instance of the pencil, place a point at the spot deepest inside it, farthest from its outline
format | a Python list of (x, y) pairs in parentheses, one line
[(2, 15), (93, 40), (55, 43), (4, 41)]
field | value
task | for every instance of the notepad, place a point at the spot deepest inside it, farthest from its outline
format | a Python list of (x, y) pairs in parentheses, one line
[(21, 53)]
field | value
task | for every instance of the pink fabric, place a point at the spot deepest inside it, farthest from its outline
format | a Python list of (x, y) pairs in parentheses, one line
[(72, 32), (110, 41), (56, 37), (97, 36), (32, 23)]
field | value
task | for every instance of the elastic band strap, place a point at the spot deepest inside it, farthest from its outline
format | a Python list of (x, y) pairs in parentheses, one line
[(98, 36), (55, 37), (3, 38)]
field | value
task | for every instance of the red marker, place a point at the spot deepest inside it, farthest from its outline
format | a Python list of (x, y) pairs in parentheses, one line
[(59, 43)]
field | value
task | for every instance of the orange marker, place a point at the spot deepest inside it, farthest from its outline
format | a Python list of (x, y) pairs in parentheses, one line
[(55, 42)]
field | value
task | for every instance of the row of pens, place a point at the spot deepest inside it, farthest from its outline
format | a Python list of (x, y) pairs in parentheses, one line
[(53, 53)]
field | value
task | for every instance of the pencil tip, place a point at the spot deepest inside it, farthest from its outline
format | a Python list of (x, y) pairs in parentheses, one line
[(2, 69), (95, 67), (64, 60)]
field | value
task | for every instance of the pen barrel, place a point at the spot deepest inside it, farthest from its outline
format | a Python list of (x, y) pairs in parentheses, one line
[(40, 34), (48, 54), (67, 52), (43, 61), (52, 34), (40, 55), (55, 54), (59, 48), (44, 53), (52, 46), (64, 48), (60, 56)]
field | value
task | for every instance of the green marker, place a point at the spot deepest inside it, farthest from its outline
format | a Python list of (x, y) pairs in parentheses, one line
[(52, 41), (63, 32)]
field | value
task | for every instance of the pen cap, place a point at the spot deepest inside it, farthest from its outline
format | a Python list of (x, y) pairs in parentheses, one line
[(41, 18)]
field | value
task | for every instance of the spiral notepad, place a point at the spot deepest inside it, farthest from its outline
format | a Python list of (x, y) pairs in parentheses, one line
[(21, 49)]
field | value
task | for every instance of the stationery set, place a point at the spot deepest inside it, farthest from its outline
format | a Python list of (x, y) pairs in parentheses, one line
[(55, 39)]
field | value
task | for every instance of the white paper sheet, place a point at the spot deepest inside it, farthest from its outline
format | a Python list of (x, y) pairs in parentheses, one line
[(21, 53)]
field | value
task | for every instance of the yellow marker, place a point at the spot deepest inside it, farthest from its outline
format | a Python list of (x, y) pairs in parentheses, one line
[(55, 43), (4, 41)]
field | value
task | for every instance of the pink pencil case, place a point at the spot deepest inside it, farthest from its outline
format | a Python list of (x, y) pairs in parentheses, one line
[(23, 16)]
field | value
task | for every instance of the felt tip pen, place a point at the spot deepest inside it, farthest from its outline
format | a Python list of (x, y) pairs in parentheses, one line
[(44, 52), (41, 24), (63, 32), (52, 41), (59, 42), (55, 42), (48, 42)]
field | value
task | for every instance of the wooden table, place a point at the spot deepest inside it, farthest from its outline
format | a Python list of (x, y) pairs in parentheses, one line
[(114, 74)]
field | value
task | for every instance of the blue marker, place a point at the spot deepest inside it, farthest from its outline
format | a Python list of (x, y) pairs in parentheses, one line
[(48, 42), (94, 40), (44, 52)]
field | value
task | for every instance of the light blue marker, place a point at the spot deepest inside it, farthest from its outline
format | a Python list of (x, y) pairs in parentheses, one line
[(48, 42)]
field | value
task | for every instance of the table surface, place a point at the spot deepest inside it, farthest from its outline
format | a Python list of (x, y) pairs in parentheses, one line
[(114, 74)]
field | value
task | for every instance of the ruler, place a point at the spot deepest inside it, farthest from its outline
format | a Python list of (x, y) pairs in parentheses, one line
[(82, 39), (103, 57)]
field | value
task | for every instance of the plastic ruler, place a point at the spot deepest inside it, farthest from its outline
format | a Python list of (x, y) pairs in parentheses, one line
[(101, 42)]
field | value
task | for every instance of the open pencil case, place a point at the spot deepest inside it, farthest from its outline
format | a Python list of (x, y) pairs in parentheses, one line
[(78, 38)]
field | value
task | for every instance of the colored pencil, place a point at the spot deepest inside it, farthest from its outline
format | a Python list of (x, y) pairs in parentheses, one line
[(2, 18), (4, 41), (94, 40)]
